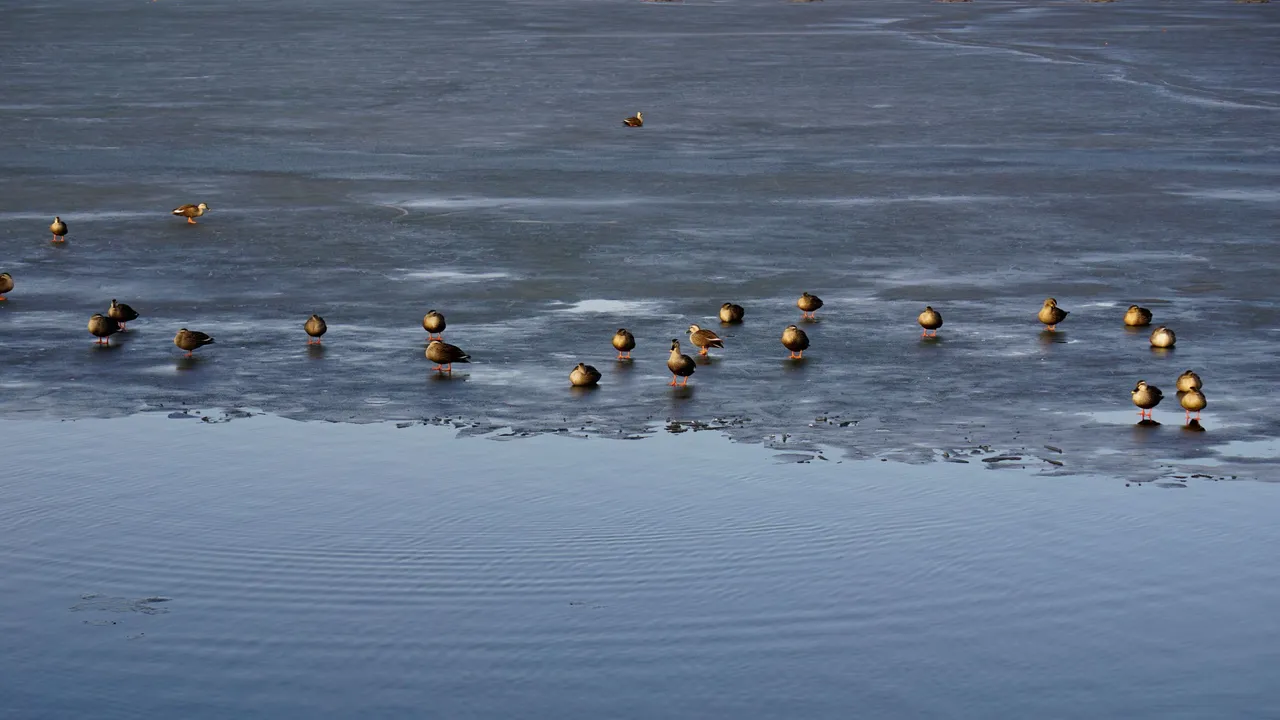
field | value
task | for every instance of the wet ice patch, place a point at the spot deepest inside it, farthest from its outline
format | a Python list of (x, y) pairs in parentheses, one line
[(1244, 194), (457, 276), (613, 306)]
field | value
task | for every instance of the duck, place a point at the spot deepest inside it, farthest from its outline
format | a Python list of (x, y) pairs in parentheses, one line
[(6, 285), (809, 305), (103, 327), (1137, 316), (930, 320), (121, 313), (433, 322), (1051, 314), (636, 120), (1162, 337), (190, 340), (680, 365), (1146, 397), (704, 339), (59, 230), (191, 212), (316, 328), (445, 355), (794, 339), (624, 342), (1188, 381), (1192, 401), (584, 376), (730, 313)]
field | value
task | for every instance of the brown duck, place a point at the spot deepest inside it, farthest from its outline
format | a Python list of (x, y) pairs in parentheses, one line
[(809, 305), (794, 339), (121, 313), (6, 285), (1162, 337), (1192, 401), (59, 229), (730, 313), (680, 365), (433, 322), (445, 355), (636, 120), (624, 342), (1189, 381), (584, 376), (103, 327), (316, 328), (1050, 314), (930, 320), (1146, 397), (190, 340), (704, 339), (191, 212), (1137, 316)]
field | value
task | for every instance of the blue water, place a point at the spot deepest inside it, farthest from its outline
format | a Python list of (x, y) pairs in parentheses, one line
[(265, 568)]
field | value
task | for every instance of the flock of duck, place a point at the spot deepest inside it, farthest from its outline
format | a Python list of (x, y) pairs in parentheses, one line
[(1145, 396)]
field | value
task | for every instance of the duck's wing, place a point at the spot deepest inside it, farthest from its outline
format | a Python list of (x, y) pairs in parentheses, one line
[(184, 209), (455, 353)]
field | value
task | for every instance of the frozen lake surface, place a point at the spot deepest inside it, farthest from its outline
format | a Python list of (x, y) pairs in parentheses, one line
[(371, 161)]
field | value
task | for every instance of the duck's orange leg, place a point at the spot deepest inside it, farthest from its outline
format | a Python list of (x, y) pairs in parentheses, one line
[(449, 368), (673, 381), (3, 297), (190, 354), (686, 381), (703, 351), (191, 221)]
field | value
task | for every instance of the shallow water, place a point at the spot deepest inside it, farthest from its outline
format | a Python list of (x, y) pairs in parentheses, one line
[(371, 162), (269, 568)]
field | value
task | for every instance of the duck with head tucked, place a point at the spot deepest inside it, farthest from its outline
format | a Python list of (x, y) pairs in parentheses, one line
[(930, 320), (121, 313), (191, 212), (1146, 397), (315, 328), (1192, 401), (809, 305), (680, 365), (433, 322), (191, 340), (103, 327), (1163, 338), (636, 120), (731, 314), (59, 230), (1050, 314), (1188, 381), (1137, 316), (704, 339), (445, 355), (624, 342), (584, 375), (6, 285), (795, 340)]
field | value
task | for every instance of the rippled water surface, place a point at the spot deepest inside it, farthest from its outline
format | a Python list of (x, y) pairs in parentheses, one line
[(265, 568)]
